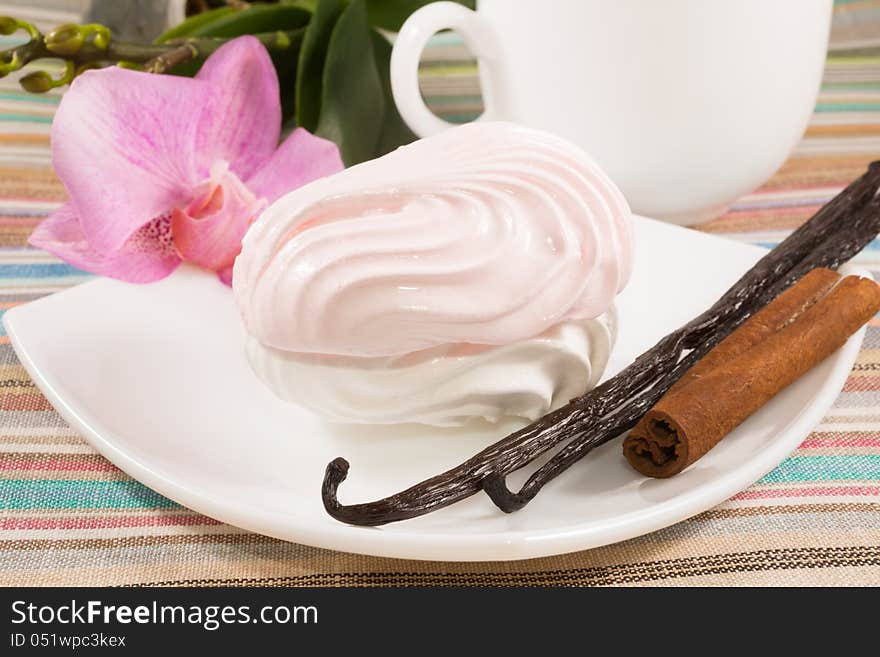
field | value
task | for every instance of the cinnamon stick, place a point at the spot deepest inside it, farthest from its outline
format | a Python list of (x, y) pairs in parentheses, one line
[(780, 311), (792, 334)]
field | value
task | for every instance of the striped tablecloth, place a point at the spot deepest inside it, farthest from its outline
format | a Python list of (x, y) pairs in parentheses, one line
[(67, 516)]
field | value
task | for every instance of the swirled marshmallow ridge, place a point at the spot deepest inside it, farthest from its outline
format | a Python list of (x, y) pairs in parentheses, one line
[(489, 233), (448, 385)]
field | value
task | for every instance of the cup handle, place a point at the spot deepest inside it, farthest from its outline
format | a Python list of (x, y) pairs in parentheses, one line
[(411, 41)]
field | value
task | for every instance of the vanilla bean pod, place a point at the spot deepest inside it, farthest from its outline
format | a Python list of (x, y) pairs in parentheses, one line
[(833, 252), (838, 231)]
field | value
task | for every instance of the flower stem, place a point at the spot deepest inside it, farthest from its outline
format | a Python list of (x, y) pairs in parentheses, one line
[(179, 51), (171, 58), (88, 46)]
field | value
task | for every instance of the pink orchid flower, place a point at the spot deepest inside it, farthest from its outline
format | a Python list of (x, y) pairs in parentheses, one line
[(163, 169)]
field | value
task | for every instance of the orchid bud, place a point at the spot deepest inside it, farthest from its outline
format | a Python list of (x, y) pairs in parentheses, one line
[(38, 82), (282, 39), (102, 40), (8, 25), (65, 40), (100, 35), (9, 63)]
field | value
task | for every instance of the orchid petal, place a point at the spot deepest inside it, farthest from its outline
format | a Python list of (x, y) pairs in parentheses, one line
[(123, 144), (242, 123), (225, 275), (146, 257), (208, 232), (300, 159)]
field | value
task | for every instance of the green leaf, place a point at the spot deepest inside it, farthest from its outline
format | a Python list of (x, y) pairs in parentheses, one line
[(309, 74), (286, 66), (390, 14), (353, 102), (187, 27), (394, 131), (260, 19), (311, 5), (255, 19)]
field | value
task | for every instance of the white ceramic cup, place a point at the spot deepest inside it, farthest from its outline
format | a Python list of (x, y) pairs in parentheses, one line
[(687, 104)]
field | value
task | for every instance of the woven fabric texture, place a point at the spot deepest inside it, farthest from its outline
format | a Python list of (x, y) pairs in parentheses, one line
[(68, 517)]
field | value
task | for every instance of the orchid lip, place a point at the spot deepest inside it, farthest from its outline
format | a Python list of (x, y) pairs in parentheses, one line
[(209, 230)]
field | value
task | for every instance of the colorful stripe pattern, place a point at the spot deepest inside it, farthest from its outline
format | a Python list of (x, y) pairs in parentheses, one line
[(69, 517)]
